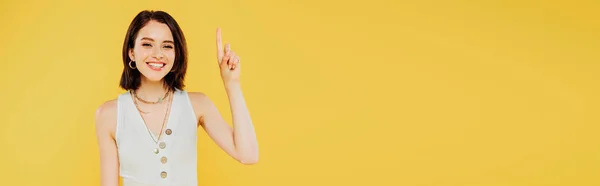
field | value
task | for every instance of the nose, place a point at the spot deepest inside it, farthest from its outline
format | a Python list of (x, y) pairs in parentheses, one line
[(157, 53)]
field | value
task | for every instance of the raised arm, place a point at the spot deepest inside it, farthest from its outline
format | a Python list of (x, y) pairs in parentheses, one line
[(240, 140)]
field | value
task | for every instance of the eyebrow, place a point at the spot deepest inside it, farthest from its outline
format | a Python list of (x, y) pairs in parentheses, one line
[(166, 41)]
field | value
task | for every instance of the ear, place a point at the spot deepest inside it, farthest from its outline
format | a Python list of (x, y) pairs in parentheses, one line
[(131, 56)]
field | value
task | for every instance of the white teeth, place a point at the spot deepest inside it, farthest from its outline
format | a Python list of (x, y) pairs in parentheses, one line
[(157, 65)]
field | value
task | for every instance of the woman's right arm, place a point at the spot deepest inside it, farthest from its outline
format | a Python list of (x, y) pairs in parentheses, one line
[(106, 122)]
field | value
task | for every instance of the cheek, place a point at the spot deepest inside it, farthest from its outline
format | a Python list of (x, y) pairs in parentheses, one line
[(141, 53), (171, 55)]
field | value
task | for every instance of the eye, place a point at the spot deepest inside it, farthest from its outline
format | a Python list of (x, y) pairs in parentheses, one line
[(146, 45), (169, 46)]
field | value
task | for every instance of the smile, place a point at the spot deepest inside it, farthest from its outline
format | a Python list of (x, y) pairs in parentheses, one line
[(156, 65)]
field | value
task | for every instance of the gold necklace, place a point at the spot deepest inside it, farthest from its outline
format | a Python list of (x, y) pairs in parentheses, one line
[(163, 123), (160, 100), (140, 110)]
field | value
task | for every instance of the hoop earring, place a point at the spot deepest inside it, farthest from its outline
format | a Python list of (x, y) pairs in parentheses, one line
[(131, 66)]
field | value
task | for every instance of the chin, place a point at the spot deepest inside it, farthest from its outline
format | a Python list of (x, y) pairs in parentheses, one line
[(154, 77)]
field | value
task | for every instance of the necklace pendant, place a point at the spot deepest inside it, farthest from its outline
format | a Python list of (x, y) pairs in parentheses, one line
[(156, 151), (160, 100)]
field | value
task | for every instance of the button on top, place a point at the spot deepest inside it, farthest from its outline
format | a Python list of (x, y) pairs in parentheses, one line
[(163, 174), (168, 132)]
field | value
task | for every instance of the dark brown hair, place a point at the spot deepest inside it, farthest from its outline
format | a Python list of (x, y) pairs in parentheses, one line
[(131, 78)]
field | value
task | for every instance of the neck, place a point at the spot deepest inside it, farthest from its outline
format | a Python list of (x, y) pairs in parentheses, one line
[(151, 90)]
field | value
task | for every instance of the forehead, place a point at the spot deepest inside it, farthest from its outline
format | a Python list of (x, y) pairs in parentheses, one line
[(155, 30)]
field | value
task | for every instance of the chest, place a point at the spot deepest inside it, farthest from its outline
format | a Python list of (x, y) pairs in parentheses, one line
[(155, 118)]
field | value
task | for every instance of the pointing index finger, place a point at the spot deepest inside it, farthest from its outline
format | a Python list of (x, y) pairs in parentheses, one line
[(219, 45)]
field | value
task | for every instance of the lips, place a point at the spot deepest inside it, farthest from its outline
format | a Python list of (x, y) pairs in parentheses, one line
[(158, 66)]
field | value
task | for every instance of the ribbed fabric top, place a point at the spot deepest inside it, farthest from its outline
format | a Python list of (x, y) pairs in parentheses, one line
[(175, 162)]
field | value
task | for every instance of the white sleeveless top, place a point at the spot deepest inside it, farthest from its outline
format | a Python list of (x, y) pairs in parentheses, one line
[(174, 162)]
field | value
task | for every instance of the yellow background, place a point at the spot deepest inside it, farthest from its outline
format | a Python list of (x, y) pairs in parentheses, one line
[(423, 93)]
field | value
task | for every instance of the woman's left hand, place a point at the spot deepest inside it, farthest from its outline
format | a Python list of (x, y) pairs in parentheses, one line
[(229, 62)]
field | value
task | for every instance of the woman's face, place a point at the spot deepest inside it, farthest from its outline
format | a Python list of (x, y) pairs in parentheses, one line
[(154, 51)]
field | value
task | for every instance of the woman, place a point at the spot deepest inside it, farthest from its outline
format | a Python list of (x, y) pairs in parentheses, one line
[(147, 135)]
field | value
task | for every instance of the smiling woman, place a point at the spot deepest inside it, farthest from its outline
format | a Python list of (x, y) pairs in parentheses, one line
[(154, 42), (148, 134)]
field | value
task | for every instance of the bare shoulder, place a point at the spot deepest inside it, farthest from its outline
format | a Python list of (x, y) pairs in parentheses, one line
[(106, 117), (200, 102), (196, 97)]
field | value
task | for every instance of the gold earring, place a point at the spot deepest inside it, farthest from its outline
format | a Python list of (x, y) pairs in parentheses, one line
[(131, 66)]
